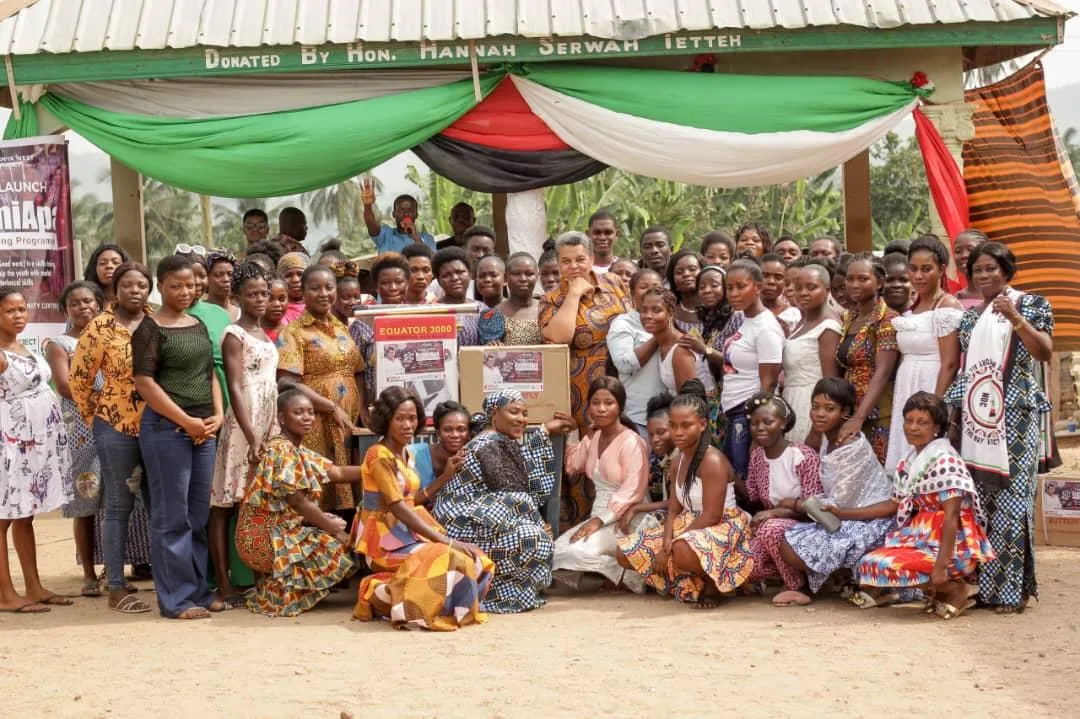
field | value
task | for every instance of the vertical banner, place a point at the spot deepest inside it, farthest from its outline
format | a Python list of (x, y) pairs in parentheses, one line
[(418, 352), (35, 230)]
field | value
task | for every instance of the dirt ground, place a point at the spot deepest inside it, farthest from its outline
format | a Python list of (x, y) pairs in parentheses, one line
[(583, 656)]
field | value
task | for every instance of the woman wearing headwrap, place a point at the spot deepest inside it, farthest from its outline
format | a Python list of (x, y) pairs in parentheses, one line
[(291, 269), (495, 501)]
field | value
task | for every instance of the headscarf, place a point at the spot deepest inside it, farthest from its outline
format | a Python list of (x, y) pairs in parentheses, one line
[(292, 261), (497, 400)]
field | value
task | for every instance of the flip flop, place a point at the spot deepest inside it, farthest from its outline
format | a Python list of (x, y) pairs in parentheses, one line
[(57, 601), (130, 604), (864, 600), (791, 598), (31, 608), (91, 588), (192, 613), (947, 611)]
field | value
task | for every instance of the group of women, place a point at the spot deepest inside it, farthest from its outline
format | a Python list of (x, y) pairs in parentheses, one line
[(742, 416)]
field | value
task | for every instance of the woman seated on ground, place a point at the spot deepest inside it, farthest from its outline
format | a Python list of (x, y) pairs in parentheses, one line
[(497, 499), (856, 510), (615, 457), (423, 579), (780, 476), (437, 462), (941, 541), (703, 549), (299, 551)]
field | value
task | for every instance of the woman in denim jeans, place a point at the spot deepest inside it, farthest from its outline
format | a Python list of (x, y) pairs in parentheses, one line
[(752, 360), (173, 361), (113, 412)]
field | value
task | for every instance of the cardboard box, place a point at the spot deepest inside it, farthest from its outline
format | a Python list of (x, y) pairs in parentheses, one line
[(540, 372), (1057, 510)]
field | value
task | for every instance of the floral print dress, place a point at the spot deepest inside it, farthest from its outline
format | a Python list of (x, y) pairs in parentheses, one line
[(259, 383), (34, 455)]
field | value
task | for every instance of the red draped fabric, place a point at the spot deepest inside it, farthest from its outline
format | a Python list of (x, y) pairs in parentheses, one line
[(946, 187), (504, 121)]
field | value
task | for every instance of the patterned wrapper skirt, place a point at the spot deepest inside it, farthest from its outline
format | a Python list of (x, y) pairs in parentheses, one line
[(434, 587), (723, 550), (304, 562)]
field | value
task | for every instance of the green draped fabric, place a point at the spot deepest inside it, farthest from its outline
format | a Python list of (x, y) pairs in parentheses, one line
[(732, 103), (272, 155), (26, 126)]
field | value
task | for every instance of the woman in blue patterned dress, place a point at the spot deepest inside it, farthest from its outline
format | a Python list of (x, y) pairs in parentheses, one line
[(496, 501), (999, 406)]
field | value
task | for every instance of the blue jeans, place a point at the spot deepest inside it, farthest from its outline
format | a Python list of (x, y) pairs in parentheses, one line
[(119, 456), (179, 473), (737, 440)]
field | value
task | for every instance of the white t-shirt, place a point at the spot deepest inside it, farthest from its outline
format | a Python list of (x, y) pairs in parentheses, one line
[(784, 482), (759, 340), (601, 269)]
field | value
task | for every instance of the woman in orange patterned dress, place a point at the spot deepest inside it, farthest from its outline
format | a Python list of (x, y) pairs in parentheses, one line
[(423, 579), (300, 551), (317, 356)]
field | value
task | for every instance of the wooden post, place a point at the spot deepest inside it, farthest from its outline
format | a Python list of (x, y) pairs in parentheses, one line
[(858, 226), (498, 219), (128, 210), (1053, 386)]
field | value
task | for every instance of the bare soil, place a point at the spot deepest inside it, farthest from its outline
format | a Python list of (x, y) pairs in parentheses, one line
[(583, 656)]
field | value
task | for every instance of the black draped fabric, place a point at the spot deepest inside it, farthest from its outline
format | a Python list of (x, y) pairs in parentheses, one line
[(487, 169)]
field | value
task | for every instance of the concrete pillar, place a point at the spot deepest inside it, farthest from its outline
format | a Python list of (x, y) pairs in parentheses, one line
[(526, 222), (858, 224), (128, 210), (953, 123)]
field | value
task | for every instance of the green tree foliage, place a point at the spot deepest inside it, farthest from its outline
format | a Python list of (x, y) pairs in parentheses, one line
[(899, 194), (438, 197)]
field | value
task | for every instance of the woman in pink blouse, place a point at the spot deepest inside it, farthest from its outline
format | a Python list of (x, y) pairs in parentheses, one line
[(616, 458)]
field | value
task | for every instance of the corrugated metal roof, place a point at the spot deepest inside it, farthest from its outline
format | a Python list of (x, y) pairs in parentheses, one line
[(63, 26)]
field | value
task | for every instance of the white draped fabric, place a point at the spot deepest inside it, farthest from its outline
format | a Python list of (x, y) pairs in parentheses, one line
[(695, 156), (197, 98)]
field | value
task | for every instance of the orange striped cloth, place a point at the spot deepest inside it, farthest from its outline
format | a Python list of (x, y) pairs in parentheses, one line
[(1019, 193)]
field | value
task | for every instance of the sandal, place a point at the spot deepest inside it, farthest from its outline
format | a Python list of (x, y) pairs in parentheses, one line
[(235, 601), (56, 600), (217, 605), (791, 598), (91, 588), (947, 611), (29, 608), (864, 600), (193, 613), (130, 604)]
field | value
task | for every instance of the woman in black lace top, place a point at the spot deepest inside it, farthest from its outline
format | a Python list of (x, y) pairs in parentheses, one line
[(174, 372)]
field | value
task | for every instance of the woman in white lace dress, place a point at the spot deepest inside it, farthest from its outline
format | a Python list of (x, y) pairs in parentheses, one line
[(810, 350), (926, 336)]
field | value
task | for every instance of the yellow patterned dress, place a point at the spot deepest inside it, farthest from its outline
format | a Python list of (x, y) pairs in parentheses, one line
[(298, 564), (417, 584), (327, 360)]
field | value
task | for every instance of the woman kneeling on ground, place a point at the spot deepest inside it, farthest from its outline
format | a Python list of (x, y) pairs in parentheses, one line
[(496, 501), (423, 579), (703, 549), (616, 458), (941, 542), (299, 551), (856, 510)]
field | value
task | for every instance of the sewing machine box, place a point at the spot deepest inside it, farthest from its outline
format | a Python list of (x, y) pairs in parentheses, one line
[(540, 372), (1057, 510)]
